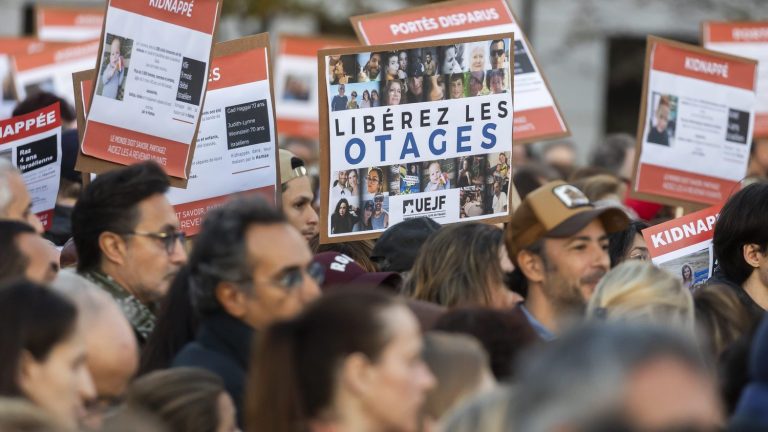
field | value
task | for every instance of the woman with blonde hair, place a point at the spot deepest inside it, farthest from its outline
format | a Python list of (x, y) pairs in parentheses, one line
[(638, 291)]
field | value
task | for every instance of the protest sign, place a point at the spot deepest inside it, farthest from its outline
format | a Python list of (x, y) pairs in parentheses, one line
[(8, 47), (400, 146), (696, 120), (745, 39), (153, 62), (68, 24), (236, 144), (32, 143), (296, 83), (537, 116), (683, 246), (51, 69)]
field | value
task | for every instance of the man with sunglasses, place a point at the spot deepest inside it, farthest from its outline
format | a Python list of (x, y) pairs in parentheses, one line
[(498, 53), (249, 268), (128, 242)]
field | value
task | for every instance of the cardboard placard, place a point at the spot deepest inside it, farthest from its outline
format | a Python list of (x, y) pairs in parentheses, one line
[(745, 39), (32, 143), (537, 115), (296, 83), (435, 146), (237, 143), (51, 68), (153, 65), (683, 246), (696, 120), (68, 24)]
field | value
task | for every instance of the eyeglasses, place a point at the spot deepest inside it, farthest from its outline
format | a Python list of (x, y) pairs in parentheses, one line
[(372, 179), (497, 53), (378, 200), (293, 278), (168, 238)]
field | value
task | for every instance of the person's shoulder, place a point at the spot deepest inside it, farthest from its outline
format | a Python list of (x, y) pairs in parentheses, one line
[(195, 354)]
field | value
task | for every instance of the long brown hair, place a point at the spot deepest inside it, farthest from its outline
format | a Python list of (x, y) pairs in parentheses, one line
[(457, 266), (292, 379)]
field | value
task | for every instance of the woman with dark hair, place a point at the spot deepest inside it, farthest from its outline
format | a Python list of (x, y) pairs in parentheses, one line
[(628, 244), (465, 174), (366, 102), (342, 220), (184, 399), (375, 98), (393, 91), (364, 223), (467, 271), (176, 325), (42, 352), (350, 362)]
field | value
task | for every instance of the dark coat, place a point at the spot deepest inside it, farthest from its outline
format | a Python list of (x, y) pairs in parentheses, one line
[(222, 346)]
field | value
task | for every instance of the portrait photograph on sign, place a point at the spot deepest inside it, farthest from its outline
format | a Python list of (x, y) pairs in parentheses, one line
[(407, 140)]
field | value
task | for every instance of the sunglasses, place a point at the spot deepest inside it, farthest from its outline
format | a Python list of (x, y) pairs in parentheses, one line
[(497, 53)]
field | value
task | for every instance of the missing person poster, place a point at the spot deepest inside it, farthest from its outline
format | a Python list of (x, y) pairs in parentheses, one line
[(32, 143), (696, 123), (236, 144), (68, 24), (151, 77), (745, 39), (296, 84), (404, 145), (683, 246), (537, 115), (9, 47), (51, 69)]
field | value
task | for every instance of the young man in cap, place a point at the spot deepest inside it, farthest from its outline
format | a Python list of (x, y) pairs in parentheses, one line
[(559, 243), (297, 195)]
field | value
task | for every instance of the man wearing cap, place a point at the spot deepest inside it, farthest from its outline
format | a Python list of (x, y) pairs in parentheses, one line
[(559, 243), (380, 218), (297, 195)]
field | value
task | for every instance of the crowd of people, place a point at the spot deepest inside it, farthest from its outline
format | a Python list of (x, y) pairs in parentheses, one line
[(555, 321)]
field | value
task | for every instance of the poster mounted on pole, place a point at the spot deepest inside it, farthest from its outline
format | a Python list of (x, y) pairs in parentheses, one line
[(399, 146), (537, 116), (683, 246), (236, 144), (696, 119), (32, 143), (296, 83), (745, 39), (68, 23), (151, 78)]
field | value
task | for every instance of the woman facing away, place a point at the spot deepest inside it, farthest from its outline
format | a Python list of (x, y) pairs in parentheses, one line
[(351, 362)]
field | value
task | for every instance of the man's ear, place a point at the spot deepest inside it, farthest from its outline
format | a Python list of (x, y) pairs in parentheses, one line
[(531, 265), (752, 254), (113, 247), (231, 298), (27, 371)]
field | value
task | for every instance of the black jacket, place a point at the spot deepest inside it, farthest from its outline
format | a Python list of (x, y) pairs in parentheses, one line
[(222, 346)]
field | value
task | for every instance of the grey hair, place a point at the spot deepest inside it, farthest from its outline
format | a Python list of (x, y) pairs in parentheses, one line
[(6, 197), (487, 412), (87, 296), (579, 379)]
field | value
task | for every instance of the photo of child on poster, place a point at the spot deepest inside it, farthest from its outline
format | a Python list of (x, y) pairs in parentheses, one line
[(114, 67), (662, 123)]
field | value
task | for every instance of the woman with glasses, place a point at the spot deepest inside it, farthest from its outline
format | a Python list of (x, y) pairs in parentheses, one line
[(350, 362), (342, 219)]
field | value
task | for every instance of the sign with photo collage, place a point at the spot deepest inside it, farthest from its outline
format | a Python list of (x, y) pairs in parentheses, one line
[(411, 130)]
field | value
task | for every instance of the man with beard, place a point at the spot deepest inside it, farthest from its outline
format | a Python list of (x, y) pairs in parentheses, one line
[(372, 69), (416, 84), (128, 240), (380, 218), (558, 242)]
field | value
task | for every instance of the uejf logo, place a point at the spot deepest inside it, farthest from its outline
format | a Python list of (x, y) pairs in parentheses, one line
[(422, 205)]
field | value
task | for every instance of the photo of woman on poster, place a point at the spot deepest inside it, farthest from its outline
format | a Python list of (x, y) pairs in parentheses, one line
[(366, 102), (342, 219), (465, 174), (375, 98), (365, 222), (393, 66), (477, 58), (495, 81), (687, 274), (393, 91), (451, 60)]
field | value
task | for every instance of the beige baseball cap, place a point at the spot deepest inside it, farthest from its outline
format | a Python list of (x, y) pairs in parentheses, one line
[(291, 167), (557, 210)]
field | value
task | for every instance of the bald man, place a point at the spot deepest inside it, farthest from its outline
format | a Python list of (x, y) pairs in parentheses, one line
[(113, 355)]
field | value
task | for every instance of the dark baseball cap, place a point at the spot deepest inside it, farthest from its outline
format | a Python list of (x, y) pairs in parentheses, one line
[(557, 210), (397, 248), (341, 270)]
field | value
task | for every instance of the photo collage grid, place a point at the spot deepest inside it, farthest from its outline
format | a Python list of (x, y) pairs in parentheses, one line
[(454, 71), (359, 198)]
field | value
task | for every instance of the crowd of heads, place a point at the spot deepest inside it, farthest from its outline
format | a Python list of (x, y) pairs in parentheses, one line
[(556, 320)]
